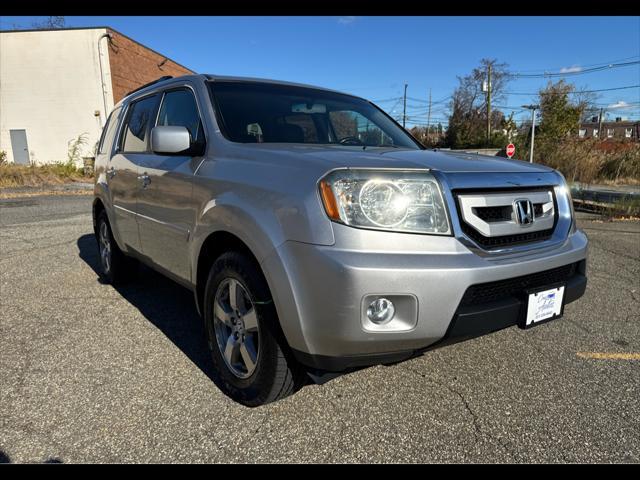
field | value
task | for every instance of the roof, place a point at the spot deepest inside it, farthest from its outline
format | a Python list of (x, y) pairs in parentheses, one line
[(610, 123), (214, 77), (94, 28)]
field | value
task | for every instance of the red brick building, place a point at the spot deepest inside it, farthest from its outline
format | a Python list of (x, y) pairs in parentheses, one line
[(133, 64), (620, 129)]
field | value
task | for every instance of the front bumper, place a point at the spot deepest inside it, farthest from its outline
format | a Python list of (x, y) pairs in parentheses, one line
[(319, 293)]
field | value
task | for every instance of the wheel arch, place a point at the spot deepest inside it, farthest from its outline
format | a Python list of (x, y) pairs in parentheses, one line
[(97, 207), (214, 245)]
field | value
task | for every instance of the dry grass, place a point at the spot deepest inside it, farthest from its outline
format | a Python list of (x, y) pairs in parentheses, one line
[(620, 181), (12, 175), (592, 161), (9, 195)]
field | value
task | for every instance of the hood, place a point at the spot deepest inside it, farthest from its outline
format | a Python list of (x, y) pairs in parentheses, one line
[(336, 156)]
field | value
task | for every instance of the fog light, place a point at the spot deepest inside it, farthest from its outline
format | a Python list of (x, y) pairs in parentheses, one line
[(381, 310)]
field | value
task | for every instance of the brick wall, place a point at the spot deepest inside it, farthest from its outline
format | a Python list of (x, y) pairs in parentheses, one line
[(133, 65)]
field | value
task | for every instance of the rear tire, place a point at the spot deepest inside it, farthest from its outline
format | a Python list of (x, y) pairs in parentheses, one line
[(115, 266), (252, 362)]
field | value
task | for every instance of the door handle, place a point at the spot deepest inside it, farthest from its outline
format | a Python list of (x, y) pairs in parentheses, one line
[(145, 179), (111, 172)]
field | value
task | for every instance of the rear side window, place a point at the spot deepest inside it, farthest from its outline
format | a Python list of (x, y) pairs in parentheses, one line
[(109, 132), (179, 109), (136, 131)]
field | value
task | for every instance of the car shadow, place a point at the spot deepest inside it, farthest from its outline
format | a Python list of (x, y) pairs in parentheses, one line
[(167, 305), (4, 458)]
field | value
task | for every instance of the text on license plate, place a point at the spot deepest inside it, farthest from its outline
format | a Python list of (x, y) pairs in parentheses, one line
[(545, 304)]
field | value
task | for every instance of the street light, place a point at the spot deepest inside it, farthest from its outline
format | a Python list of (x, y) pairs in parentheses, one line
[(533, 109)]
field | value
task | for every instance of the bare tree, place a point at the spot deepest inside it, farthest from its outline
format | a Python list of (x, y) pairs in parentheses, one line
[(468, 119), (585, 100), (49, 23)]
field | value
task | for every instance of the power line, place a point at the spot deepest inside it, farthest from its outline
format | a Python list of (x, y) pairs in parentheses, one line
[(386, 100), (576, 92), (583, 66), (571, 73), (421, 100)]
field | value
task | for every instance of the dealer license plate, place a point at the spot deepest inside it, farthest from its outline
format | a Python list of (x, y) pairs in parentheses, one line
[(544, 305)]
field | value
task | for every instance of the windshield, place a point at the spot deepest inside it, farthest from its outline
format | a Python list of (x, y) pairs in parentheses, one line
[(253, 112)]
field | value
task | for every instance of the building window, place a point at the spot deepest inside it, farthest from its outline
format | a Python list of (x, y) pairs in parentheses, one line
[(595, 133), (628, 132), (609, 132), (582, 132)]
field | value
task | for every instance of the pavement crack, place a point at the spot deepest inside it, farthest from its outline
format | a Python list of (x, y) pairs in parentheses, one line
[(343, 428), (478, 431), (613, 252), (579, 326), (261, 424)]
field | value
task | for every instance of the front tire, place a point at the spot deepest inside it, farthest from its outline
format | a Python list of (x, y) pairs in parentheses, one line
[(252, 363)]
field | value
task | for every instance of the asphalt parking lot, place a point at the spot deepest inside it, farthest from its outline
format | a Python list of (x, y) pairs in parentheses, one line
[(94, 374)]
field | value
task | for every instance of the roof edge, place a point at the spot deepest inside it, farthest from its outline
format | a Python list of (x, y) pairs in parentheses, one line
[(98, 28)]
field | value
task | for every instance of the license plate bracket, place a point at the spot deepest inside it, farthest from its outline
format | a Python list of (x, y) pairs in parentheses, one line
[(543, 305)]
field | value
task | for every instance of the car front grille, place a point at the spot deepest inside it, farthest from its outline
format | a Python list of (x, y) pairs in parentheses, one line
[(512, 287), (504, 213), (505, 240)]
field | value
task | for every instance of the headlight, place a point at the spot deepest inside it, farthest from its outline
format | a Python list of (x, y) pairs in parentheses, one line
[(402, 201)]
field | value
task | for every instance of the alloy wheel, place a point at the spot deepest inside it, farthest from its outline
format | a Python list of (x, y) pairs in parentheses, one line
[(236, 327), (105, 247)]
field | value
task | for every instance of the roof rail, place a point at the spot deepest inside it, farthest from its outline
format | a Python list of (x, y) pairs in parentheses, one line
[(161, 79)]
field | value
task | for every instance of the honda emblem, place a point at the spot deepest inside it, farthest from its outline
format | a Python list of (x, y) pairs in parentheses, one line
[(523, 209)]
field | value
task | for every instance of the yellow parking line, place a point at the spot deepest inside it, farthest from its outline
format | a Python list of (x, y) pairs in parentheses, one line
[(609, 356)]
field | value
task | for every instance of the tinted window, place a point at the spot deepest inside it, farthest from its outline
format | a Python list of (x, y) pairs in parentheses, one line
[(305, 122), (179, 108), (109, 132), (254, 112), (351, 124), (136, 131)]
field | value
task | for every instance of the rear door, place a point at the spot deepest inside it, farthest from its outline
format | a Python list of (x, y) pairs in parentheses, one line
[(166, 210), (122, 173)]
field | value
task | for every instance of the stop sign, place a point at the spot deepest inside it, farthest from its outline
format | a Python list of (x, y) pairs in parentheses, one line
[(511, 149)]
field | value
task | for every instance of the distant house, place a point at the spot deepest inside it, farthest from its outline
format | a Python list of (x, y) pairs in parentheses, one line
[(620, 129), (63, 83)]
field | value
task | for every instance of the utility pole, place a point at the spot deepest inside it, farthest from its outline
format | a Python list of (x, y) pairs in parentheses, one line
[(600, 123), (429, 119), (533, 109), (404, 110), (489, 104)]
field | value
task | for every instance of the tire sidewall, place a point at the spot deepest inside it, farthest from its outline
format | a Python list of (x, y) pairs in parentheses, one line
[(109, 277), (253, 389)]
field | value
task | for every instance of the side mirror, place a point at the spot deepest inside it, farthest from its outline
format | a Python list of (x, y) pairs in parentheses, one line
[(167, 140)]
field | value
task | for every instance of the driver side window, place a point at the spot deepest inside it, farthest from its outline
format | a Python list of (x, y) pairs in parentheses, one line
[(353, 124)]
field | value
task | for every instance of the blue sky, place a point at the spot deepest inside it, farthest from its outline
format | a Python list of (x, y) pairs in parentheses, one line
[(374, 56)]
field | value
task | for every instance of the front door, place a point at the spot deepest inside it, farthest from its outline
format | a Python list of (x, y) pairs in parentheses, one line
[(123, 171), (166, 212), (19, 146)]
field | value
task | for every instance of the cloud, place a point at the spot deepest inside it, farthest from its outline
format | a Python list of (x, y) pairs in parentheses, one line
[(619, 104), (346, 20), (571, 69)]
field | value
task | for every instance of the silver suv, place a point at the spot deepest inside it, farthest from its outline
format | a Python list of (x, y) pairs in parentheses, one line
[(318, 236)]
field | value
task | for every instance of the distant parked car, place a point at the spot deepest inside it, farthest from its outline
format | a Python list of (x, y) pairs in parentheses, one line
[(319, 236)]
